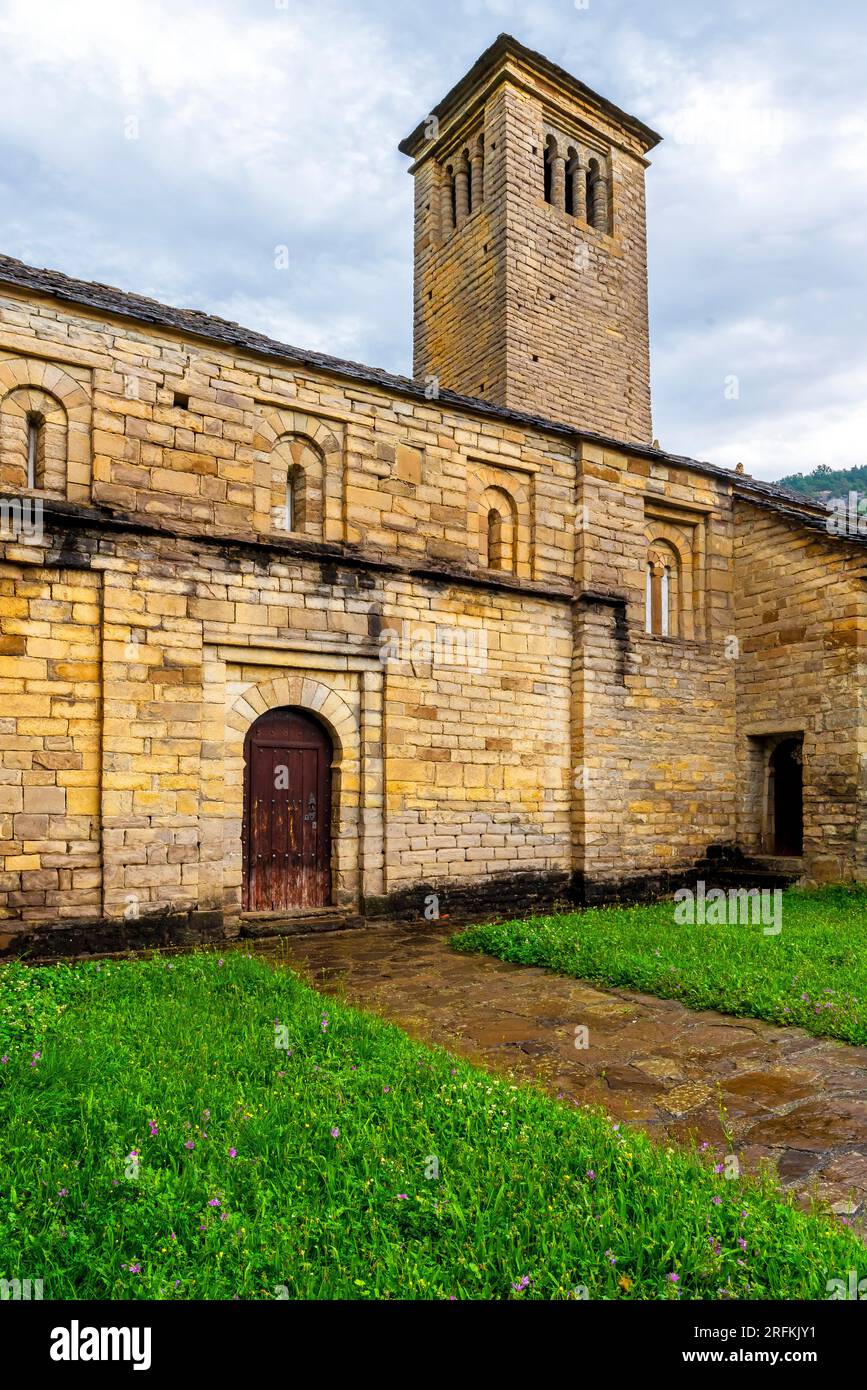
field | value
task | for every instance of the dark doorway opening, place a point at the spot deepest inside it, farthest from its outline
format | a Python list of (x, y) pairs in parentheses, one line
[(287, 813), (786, 796)]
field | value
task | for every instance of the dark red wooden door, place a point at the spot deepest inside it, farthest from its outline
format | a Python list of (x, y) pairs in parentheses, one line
[(287, 813)]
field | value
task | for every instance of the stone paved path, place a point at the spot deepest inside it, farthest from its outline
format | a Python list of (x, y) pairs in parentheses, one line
[(796, 1100)]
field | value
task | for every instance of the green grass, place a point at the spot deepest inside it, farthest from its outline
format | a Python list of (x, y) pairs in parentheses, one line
[(813, 974), (330, 1192)]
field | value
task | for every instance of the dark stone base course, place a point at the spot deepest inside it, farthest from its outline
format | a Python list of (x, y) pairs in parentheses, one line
[(99, 936), (499, 897), (502, 895)]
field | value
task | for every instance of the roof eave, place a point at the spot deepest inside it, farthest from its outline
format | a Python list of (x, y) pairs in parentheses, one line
[(505, 46)]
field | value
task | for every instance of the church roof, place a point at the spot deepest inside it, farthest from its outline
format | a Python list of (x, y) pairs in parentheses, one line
[(195, 323)]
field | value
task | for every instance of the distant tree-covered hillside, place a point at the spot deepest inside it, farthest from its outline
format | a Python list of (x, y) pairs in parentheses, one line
[(825, 482)]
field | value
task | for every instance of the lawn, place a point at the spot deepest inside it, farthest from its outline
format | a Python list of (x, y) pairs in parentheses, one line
[(813, 973), (203, 1128)]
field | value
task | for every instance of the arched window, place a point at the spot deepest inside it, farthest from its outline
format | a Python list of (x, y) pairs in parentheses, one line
[(295, 499), (662, 591), (571, 165), (597, 196), (499, 527), (448, 204), (35, 450), (33, 441), (550, 156), (298, 479), (495, 540), (592, 183)]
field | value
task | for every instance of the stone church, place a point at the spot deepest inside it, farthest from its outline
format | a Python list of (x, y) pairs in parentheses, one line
[(286, 640)]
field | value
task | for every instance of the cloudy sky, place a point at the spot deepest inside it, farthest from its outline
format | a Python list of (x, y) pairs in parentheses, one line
[(168, 146)]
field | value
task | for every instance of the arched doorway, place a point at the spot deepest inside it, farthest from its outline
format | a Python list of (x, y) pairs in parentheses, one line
[(287, 813), (786, 796)]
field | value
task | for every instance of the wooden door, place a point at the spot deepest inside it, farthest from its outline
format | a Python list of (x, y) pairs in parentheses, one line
[(287, 813)]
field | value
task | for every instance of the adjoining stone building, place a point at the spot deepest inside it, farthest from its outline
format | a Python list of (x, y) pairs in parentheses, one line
[(283, 636)]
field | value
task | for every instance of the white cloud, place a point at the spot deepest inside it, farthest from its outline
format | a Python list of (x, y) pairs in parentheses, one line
[(260, 125)]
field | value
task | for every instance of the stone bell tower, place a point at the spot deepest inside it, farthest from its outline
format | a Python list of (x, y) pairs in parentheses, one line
[(530, 246)]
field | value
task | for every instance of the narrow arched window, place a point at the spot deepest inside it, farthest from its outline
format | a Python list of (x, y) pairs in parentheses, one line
[(495, 540), (295, 513), (298, 486), (597, 196), (548, 162), (35, 450), (665, 601), (592, 188), (648, 600), (498, 530), (571, 157)]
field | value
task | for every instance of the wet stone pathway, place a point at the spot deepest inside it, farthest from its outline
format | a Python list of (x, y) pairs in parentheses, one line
[(796, 1100)]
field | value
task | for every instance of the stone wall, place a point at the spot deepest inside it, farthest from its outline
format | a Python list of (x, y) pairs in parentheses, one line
[(653, 721), (801, 620), (50, 685)]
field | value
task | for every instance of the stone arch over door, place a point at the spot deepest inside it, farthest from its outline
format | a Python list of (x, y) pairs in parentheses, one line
[(342, 724)]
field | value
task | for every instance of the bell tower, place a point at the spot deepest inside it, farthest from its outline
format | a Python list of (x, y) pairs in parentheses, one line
[(530, 246)]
